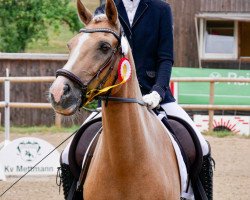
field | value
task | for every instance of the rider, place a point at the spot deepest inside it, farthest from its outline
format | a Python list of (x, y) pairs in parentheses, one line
[(148, 27)]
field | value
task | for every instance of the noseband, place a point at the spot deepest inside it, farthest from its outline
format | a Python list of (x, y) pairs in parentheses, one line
[(108, 63)]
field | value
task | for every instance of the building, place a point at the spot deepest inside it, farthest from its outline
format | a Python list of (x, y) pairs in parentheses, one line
[(212, 33)]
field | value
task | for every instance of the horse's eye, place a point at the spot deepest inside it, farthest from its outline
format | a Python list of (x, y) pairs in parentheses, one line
[(104, 47)]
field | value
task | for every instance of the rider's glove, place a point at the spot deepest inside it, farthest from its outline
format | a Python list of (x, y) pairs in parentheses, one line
[(152, 100)]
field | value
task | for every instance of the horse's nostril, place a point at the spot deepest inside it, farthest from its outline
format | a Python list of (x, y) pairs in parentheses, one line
[(51, 98), (66, 89)]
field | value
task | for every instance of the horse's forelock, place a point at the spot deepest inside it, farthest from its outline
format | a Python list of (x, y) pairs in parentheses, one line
[(100, 18)]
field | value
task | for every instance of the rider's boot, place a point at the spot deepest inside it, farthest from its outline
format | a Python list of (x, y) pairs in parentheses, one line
[(206, 174), (66, 178)]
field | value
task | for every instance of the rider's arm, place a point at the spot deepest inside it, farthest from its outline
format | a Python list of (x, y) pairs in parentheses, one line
[(165, 52)]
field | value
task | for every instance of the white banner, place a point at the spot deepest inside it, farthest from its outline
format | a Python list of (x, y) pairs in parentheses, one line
[(22, 154), (2, 176)]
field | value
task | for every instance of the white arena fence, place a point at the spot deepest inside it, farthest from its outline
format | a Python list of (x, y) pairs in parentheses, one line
[(210, 108)]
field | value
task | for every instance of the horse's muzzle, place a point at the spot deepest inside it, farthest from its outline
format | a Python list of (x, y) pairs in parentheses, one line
[(64, 98)]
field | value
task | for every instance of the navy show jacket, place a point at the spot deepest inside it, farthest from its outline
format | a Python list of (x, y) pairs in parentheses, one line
[(151, 40)]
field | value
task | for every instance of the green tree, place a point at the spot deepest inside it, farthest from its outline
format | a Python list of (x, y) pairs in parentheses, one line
[(23, 21)]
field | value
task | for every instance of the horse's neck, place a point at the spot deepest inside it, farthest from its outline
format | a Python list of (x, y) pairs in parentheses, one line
[(124, 124), (130, 89)]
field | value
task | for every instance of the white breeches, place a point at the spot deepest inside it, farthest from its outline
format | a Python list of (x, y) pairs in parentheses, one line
[(174, 109)]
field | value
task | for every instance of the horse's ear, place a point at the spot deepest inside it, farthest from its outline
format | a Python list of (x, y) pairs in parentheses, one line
[(111, 12), (83, 13)]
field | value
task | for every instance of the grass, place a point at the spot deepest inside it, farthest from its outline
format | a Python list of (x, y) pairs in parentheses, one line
[(219, 134), (56, 43), (222, 134), (57, 40), (40, 129)]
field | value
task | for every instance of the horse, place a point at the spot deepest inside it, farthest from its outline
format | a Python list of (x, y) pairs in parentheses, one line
[(134, 157)]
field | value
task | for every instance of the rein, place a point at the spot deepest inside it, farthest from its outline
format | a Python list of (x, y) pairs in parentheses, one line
[(123, 100), (108, 63)]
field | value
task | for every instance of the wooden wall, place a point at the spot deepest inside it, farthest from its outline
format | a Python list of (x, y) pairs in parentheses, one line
[(225, 6), (30, 92), (185, 45)]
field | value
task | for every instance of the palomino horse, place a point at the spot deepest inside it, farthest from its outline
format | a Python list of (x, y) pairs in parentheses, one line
[(134, 157)]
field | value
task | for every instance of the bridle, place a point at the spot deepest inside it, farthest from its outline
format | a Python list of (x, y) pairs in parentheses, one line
[(109, 63)]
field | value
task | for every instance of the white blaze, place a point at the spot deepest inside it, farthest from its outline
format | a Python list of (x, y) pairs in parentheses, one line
[(74, 55)]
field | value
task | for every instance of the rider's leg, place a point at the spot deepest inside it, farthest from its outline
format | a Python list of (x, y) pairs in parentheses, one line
[(174, 109), (206, 174)]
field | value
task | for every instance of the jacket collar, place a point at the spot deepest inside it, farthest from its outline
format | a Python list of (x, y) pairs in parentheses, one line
[(122, 12), (142, 7)]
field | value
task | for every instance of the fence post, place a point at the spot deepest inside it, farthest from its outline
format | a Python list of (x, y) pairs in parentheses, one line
[(211, 102), (58, 121), (7, 108)]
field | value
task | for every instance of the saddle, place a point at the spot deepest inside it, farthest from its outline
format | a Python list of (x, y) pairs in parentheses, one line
[(84, 142)]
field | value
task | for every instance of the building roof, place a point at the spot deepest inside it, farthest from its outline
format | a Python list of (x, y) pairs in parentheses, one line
[(224, 16)]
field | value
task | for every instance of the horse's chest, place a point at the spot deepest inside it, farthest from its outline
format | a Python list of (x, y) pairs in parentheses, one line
[(142, 178), (127, 192), (105, 185)]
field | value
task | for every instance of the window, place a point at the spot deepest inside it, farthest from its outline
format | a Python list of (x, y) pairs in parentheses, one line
[(223, 36), (220, 40)]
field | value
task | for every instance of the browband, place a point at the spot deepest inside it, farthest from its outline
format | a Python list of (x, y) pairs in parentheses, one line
[(104, 30)]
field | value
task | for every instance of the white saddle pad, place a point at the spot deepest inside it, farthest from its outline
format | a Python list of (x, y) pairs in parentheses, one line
[(185, 193)]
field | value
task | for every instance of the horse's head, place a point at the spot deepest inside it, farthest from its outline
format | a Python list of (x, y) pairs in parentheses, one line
[(93, 60)]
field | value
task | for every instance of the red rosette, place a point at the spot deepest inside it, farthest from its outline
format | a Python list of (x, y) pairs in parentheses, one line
[(124, 70)]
